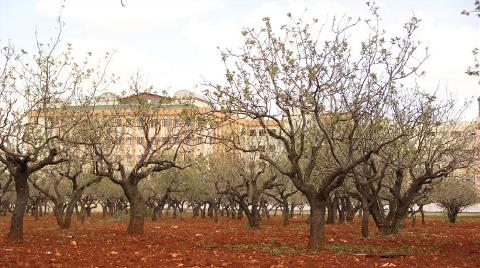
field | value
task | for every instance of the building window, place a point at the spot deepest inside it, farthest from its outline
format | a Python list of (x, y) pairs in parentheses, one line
[(128, 140), (118, 140), (274, 131), (117, 122), (128, 123), (199, 140), (153, 123), (253, 132), (140, 140), (139, 123), (261, 132), (164, 122)]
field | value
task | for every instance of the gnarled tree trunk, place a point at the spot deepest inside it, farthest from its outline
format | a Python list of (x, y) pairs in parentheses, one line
[(137, 209), (316, 239), (23, 191)]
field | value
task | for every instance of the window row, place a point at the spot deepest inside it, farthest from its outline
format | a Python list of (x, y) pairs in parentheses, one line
[(261, 132), (162, 140), (140, 122)]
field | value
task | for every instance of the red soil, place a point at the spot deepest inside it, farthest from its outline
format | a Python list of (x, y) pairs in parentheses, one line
[(202, 243)]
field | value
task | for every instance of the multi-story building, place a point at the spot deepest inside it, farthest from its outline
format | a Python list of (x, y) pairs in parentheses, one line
[(133, 119)]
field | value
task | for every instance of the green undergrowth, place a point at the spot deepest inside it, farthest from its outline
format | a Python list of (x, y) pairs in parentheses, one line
[(272, 247), (405, 250)]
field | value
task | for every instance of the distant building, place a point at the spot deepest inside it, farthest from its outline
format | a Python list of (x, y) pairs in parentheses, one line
[(166, 110)]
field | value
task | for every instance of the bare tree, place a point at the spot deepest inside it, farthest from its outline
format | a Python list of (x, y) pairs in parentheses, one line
[(158, 189), (160, 133), (454, 195), (245, 179), (321, 98), (437, 145), (69, 181), (282, 193), (33, 91)]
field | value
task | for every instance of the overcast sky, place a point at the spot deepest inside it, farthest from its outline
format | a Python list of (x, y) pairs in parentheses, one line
[(174, 43)]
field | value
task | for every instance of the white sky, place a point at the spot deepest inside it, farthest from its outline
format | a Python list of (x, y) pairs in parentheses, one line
[(174, 43)]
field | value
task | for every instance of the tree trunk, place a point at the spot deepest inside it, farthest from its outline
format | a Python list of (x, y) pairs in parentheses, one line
[(350, 209), (210, 210), (285, 215), (341, 215), (174, 213), (414, 218), (196, 211), (154, 213), (255, 217), (22, 191), (58, 210), (137, 209), (104, 211), (422, 213), (67, 222), (330, 211), (215, 213), (222, 210), (202, 211), (112, 210), (292, 210), (239, 214), (40, 210), (452, 215), (316, 239), (365, 216), (160, 210), (227, 211), (70, 208), (34, 209)]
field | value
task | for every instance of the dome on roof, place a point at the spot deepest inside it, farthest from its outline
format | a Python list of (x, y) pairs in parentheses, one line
[(185, 94), (107, 96)]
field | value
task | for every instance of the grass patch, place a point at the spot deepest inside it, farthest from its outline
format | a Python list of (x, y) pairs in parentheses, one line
[(210, 245), (271, 247), (378, 250), (283, 249), (121, 217)]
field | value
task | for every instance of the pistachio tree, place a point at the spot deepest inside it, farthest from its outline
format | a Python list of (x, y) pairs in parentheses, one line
[(454, 195), (139, 135), (34, 89), (318, 97)]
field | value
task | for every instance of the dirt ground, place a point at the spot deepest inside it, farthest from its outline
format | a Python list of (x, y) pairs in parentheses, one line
[(102, 242)]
